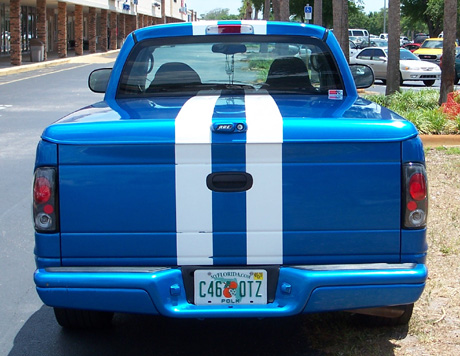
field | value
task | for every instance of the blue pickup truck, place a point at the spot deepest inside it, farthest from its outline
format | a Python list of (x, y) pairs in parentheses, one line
[(231, 170)]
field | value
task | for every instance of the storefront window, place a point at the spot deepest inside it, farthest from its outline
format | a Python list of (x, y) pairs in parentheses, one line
[(29, 25), (4, 28)]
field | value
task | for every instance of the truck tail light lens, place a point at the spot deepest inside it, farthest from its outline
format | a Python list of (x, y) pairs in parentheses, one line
[(45, 200), (415, 196), (417, 186), (42, 190)]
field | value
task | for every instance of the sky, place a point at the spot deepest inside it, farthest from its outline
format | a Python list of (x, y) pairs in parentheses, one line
[(204, 6)]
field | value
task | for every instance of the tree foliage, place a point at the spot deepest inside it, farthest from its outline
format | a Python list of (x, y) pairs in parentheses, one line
[(297, 9), (375, 22), (357, 17), (219, 14), (416, 15), (430, 12), (258, 5)]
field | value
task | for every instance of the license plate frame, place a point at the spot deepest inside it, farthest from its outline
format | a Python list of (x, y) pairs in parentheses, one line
[(230, 286)]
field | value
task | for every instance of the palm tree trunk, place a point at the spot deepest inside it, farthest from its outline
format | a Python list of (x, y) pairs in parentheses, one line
[(393, 72), (248, 13), (340, 23), (276, 10), (318, 12), (448, 51), (267, 10), (284, 10)]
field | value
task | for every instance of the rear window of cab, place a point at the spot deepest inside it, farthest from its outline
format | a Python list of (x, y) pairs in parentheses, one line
[(208, 64)]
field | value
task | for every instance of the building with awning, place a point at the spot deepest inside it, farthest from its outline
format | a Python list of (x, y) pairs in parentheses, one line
[(79, 25)]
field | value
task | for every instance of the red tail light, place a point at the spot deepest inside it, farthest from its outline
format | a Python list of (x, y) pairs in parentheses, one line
[(45, 200), (42, 190), (415, 196), (417, 186)]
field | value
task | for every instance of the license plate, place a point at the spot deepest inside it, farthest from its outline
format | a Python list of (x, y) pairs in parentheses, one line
[(230, 287)]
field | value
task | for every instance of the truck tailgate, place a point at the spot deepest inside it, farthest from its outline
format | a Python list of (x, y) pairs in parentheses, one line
[(320, 192)]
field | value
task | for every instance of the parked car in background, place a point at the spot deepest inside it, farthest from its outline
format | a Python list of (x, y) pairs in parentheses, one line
[(358, 32), (430, 50), (403, 40), (353, 49), (360, 42), (412, 46), (378, 42), (457, 65), (354, 39), (411, 67), (384, 36), (420, 37)]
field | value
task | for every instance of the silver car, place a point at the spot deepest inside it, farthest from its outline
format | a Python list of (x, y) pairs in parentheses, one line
[(411, 67)]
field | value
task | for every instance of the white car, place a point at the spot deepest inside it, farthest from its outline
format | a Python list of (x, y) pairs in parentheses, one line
[(403, 40), (353, 48), (411, 67)]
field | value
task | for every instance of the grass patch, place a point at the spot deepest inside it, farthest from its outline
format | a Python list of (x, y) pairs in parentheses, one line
[(448, 150)]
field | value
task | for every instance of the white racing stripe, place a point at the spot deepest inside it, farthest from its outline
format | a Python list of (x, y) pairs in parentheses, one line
[(199, 27), (193, 198), (263, 162), (264, 201), (260, 27)]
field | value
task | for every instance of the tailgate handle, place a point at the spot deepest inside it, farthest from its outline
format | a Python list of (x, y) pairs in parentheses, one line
[(229, 181)]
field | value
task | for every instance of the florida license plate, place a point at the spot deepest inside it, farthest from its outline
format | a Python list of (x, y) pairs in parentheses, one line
[(230, 287)]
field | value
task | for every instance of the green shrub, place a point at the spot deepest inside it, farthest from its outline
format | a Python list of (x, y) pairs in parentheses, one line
[(421, 108), (420, 123), (436, 121)]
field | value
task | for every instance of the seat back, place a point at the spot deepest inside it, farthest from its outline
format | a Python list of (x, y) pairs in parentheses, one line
[(289, 73), (175, 73)]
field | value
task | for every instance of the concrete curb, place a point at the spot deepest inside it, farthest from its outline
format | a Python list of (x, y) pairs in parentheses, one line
[(38, 65), (440, 140)]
